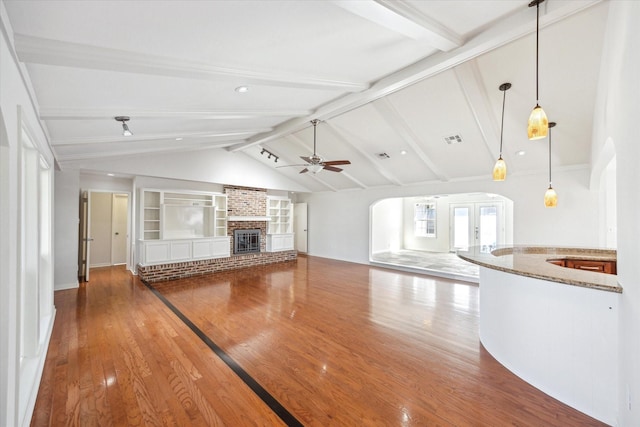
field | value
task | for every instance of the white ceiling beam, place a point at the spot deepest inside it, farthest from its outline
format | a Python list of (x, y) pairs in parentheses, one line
[(110, 113), (402, 18), (373, 161), (37, 50), (229, 137), (477, 97), (389, 112), (509, 29)]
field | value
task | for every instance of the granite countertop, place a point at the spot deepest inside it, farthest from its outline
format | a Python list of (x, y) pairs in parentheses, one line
[(531, 261)]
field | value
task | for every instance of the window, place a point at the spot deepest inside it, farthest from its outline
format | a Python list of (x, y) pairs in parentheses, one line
[(425, 219)]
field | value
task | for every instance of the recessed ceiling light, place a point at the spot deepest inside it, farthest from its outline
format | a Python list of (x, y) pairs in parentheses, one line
[(178, 139), (521, 153), (242, 89), (403, 152), (110, 174)]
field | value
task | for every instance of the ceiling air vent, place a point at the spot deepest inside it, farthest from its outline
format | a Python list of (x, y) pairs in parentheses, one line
[(453, 139), (382, 156)]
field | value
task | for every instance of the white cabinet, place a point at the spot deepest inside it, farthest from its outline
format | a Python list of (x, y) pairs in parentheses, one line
[(279, 242), (182, 226), (280, 229), (153, 252)]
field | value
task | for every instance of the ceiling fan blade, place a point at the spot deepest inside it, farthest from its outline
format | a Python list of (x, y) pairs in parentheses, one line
[(304, 170), (306, 159), (337, 162), (332, 169)]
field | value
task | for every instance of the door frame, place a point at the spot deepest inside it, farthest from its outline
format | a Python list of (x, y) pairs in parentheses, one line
[(301, 236), (474, 224), (87, 224)]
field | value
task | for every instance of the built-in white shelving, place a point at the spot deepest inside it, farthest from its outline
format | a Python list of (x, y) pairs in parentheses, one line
[(280, 226), (182, 225)]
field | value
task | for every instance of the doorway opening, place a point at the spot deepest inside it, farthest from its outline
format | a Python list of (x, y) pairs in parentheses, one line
[(424, 233), (104, 230)]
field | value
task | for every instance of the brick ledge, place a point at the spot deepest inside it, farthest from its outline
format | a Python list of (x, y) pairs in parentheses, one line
[(181, 270)]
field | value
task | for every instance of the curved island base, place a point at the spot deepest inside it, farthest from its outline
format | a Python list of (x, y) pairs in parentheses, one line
[(555, 328)]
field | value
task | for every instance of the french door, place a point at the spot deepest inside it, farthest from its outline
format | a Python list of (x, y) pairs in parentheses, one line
[(476, 227)]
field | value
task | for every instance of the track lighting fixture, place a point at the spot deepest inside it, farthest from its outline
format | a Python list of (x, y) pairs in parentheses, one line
[(538, 125), (550, 196), (500, 168), (125, 128), (270, 154)]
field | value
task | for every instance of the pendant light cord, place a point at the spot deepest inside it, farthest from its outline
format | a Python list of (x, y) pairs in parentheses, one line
[(549, 157), (537, 44), (504, 97)]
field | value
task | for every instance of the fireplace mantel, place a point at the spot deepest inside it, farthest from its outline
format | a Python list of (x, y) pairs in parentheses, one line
[(249, 218)]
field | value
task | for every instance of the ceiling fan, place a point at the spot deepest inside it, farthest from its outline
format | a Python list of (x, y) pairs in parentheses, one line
[(315, 163)]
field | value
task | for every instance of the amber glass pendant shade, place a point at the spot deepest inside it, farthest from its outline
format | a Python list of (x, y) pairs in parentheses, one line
[(500, 170), (538, 126), (550, 198)]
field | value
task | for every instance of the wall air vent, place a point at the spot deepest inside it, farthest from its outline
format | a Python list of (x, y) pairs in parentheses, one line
[(382, 155), (453, 139)]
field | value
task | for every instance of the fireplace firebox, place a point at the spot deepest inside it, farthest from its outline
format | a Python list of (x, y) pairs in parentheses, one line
[(246, 241)]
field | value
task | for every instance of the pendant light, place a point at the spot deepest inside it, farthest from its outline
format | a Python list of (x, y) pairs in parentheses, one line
[(550, 197), (538, 125), (500, 168)]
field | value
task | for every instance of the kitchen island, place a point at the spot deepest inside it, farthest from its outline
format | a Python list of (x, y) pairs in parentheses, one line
[(554, 326)]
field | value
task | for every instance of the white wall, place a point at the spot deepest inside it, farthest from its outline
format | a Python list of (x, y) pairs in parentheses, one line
[(616, 120), (386, 225), (26, 297), (208, 166), (67, 221), (334, 234)]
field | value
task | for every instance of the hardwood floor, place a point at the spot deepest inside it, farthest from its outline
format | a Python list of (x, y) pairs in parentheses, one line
[(333, 343)]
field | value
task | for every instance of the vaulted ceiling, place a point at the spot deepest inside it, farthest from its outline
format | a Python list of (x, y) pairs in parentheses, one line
[(390, 82)]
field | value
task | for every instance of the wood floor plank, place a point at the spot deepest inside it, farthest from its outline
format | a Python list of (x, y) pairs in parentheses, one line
[(335, 343)]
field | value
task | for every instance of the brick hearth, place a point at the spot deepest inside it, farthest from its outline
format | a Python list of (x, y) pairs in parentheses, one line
[(181, 270)]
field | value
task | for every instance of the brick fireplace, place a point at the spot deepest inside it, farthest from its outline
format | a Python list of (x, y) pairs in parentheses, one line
[(246, 210), (246, 204)]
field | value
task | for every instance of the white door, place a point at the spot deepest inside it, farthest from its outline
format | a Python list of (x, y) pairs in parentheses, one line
[(300, 226), (100, 207), (119, 228), (85, 240), (476, 227)]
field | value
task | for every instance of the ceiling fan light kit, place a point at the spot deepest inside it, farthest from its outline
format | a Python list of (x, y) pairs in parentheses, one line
[(314, 163)]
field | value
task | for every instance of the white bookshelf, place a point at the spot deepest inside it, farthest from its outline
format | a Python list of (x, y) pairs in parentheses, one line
[(182, 226), (280, 228)]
